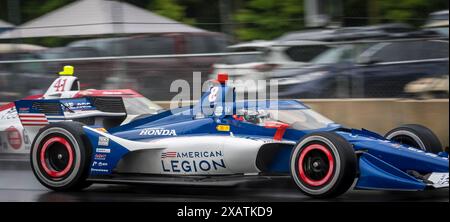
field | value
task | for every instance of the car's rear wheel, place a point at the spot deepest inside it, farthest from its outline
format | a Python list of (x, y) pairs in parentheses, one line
[(323, 165), (417, 136), (60, 157)]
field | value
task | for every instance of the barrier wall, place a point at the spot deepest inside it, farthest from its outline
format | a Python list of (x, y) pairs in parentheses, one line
[(382, 115)]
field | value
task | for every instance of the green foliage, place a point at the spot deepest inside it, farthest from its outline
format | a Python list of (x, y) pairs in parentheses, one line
[(267, 19), (410, 11), (170, 9), (34, 9), (255, 19)]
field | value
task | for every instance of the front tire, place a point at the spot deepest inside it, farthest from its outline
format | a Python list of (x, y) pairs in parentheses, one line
[(60, 157), (417, 136), (323, 165)]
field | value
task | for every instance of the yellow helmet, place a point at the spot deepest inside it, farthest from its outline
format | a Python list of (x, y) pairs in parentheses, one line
[(67, 71)]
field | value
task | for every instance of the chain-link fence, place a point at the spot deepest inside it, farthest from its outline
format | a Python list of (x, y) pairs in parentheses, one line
[(394, 68)]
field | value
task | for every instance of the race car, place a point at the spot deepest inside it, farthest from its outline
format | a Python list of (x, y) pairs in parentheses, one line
[(13, 137), (224, 142)]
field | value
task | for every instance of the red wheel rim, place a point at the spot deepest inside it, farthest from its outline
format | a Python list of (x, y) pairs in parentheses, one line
[(330, 159), (49, 170)]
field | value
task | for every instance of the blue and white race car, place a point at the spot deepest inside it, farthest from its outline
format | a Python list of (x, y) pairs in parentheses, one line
[(223, 142)]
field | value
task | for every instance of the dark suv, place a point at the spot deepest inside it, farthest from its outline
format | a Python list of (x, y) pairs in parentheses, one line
[(366, 70)]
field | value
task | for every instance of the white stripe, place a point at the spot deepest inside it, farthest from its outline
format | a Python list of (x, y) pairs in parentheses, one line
[(31, 114), (28, 118)]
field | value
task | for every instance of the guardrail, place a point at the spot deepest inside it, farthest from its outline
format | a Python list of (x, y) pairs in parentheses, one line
[(111, 58)]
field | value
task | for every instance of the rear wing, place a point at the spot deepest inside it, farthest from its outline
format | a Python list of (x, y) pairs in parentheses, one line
[(101, 111)]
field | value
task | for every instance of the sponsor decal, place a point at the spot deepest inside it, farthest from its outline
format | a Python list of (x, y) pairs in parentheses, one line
[(103, 141), (99, 170), (439, 179), (396, 145), (223, 128), (10, 114), (14, 138), (191, 162), (24, 109), (77, 106), (157, 132), (102, 150), (99, 156), (99, 164)]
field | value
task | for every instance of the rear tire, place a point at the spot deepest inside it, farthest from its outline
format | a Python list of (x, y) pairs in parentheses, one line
[(417, 136), (323, 165), (60, 157)]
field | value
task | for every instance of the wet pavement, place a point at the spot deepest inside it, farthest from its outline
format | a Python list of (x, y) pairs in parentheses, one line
[(17, 184)]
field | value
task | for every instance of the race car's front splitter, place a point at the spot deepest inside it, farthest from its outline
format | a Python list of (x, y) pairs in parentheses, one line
[(374, 173)]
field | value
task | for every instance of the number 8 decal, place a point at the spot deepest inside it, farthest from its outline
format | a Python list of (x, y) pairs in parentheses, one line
[(213, 94)]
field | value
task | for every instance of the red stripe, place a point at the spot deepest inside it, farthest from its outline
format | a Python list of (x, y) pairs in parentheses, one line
[(35, 120), (29, 124), (7, 106), (31, 116)]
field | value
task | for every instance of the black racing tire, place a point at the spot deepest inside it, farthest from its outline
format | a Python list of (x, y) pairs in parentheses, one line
[(323, 165), (60, 157), (417, 136)]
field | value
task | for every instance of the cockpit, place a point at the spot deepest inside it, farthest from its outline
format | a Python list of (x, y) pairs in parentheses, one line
[(299, 119)]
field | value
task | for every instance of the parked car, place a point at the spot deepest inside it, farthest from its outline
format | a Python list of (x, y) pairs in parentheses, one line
[(382, 31), (18, 79), (142, 72), (438, 22), (365, 70), (429, 88), (267, 56)]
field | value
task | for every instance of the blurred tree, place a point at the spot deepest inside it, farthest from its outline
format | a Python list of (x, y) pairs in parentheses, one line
[(34, 9), (267, 19), (171, 9), (412, 11), (256, 19)]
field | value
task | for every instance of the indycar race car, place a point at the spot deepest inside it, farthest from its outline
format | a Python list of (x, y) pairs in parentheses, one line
[(13, 137), (223, 142)]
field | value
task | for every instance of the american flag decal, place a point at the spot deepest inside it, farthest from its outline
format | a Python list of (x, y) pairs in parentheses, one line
[(168, 155), (33, 119), (38, 119)]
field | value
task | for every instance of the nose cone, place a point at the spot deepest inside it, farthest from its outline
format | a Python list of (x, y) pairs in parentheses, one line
[(405, 157)]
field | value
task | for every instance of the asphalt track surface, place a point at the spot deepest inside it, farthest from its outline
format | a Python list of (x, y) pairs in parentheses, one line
[(18, 184)]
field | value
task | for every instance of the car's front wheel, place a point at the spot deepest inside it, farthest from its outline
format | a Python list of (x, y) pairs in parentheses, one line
[(417, 136), (60, 156), (323, 165)]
